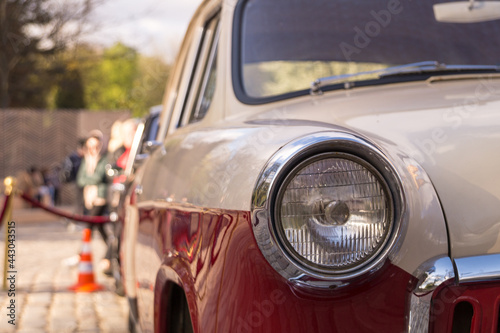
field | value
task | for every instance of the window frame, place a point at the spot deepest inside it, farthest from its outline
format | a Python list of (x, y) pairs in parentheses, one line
[(209, 67), (179, 87), (236, 66), (207, 49)]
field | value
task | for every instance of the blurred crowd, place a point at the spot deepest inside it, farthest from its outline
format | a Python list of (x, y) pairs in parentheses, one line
[(95, 163), (44, 183)]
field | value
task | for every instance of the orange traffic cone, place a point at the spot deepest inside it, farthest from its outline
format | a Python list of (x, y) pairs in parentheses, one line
[(86, 274)]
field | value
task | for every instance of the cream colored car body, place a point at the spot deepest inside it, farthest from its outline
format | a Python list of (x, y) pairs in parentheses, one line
[(448, 125), (441, 135)]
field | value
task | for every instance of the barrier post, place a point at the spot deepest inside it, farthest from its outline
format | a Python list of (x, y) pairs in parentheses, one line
[(9, 184)]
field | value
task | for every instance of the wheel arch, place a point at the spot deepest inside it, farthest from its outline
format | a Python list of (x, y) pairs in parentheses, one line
[(175, 301)]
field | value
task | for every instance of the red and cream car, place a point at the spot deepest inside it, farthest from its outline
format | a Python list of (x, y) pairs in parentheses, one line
[(325, 166)]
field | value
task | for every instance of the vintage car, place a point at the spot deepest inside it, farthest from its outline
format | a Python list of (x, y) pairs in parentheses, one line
[(325, 166)]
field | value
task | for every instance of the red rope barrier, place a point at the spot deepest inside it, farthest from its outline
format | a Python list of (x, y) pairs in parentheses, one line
[(62, 213), (4, 209)]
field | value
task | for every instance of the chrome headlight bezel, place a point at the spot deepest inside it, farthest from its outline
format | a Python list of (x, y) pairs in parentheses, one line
[(267, 190), (278, 219)]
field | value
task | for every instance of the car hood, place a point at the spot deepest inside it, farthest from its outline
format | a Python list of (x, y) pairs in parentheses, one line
[(450, 125)]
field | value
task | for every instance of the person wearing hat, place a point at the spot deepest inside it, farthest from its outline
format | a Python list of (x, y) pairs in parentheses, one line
[(92, 178)]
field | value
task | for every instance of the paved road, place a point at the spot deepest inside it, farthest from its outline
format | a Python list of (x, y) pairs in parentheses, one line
[(42, 301)]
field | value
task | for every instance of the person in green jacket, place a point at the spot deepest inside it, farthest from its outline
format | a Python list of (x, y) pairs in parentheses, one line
[(92, 178)]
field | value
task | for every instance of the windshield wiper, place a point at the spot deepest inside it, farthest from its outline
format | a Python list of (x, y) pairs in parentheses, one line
[(417, 67)]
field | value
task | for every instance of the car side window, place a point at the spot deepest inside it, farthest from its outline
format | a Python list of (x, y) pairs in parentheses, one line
[(203, 81), (204, 98)]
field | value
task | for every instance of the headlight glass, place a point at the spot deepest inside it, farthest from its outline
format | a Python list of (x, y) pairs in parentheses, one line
[(334, 212)]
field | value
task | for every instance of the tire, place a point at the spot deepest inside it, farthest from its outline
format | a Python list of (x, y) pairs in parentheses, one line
[(132, 315), (131, 324)]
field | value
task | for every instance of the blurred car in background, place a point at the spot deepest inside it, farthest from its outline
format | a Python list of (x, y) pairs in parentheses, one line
[(326, 166), (144, 140)]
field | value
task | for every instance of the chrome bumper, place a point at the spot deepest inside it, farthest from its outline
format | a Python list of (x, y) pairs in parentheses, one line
[(432, 274)]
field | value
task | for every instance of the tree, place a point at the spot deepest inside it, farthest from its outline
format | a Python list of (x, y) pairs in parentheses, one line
[(124, 79), (70, 90), (109, 83), (149, 85), (30, 30)]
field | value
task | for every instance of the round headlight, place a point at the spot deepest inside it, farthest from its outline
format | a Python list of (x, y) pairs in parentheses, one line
[(334, 212)]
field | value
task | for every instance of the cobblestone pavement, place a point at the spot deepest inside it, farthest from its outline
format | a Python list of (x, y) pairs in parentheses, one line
[(43, 275)]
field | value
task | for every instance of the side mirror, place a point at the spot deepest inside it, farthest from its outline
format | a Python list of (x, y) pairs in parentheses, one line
[(150, 146), (139, 160)]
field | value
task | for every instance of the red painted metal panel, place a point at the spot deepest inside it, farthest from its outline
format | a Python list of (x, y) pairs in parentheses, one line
[(230, 286), (485, 301)]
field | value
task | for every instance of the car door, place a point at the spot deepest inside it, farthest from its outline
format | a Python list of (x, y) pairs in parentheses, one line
[(195, 90)]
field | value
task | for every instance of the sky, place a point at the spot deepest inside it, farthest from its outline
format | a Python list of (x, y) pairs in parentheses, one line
[(153, 27)]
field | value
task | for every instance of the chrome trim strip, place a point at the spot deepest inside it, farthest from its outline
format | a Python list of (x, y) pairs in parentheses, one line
[(268, 184), (430, 275), (134, 149), (418, 321), (478, 268)]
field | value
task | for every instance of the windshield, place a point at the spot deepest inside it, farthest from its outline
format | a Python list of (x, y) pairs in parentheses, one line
[(287, 44)]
